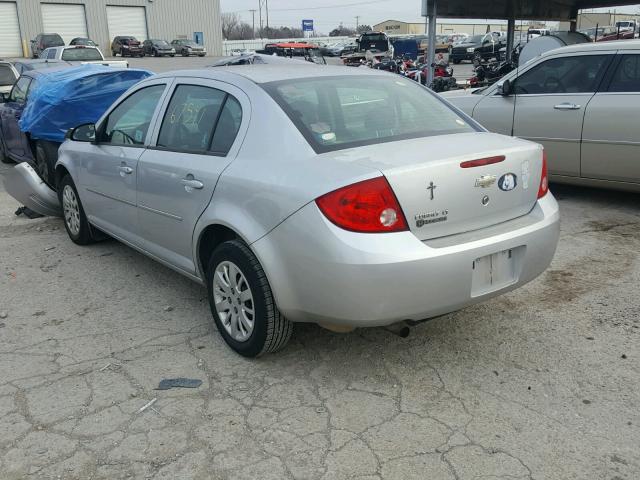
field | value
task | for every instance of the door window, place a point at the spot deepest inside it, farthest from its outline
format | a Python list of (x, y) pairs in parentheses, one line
[(194, 114), (577, 74), (20, 90), (626, 78), (51, 53), (129, 122)]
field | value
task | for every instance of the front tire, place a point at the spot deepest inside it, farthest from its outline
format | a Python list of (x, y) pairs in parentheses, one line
[(242, 303), (75, 220)]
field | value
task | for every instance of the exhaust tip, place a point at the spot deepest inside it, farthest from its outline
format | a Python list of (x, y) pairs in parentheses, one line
[(400, 329)]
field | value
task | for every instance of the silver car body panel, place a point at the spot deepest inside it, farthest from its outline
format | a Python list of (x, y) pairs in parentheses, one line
[(265, 189)]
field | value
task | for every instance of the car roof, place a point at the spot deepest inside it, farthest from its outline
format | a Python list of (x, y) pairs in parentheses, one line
[(597, 46), (274, 73)]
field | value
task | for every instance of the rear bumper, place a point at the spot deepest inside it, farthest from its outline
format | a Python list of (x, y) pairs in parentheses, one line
[(23, 183), (320, 273)]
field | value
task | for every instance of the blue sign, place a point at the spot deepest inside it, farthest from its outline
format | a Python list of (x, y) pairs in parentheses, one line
[(307, 25)]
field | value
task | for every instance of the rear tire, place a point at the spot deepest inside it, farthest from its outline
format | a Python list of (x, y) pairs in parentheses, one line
[(242, 302), (44, 165), (4, 158), (75, 220)]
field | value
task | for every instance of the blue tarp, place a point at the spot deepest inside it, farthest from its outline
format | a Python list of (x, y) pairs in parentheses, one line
[(64, 99)]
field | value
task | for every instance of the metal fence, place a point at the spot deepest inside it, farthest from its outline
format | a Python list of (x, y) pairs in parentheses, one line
[(258, 44)]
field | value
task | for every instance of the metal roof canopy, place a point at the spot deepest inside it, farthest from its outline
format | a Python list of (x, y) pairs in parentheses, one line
[(551, 10)]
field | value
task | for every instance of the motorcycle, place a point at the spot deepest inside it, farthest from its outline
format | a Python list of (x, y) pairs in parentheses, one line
[(489, 74)]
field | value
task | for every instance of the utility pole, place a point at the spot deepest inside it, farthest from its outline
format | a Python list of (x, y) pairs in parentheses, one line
[(266, 6), (357, 22), (253, 23), (260, 15)]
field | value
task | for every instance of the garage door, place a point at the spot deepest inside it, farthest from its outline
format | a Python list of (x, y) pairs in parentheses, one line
[(127, 21), (68, 21), (10, 45)]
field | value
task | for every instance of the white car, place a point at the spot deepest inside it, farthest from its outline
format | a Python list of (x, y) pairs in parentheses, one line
[(580, 102), (8, 76), (81, 54)]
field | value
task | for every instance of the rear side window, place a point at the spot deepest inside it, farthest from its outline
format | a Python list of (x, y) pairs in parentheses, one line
[(81, 54), (626, 77), (7, 76), (51, 54), (200, 119), (348, 111), (577, 74)]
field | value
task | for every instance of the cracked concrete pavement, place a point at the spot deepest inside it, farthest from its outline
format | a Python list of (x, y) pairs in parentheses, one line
[(541, 383)]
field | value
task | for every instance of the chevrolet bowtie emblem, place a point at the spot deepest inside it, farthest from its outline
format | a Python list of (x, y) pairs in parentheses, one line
[(485, 181)]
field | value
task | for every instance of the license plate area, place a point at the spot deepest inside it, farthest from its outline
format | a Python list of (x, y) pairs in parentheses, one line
[(496, 271)]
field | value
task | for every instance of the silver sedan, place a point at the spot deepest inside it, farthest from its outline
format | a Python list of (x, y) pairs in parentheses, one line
[(301, 193)]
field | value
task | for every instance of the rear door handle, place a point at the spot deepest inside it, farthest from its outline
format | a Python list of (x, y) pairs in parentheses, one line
[(192, 183), (567, 106), (124, 170)]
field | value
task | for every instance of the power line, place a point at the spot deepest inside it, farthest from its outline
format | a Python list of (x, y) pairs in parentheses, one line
[(344, 5)]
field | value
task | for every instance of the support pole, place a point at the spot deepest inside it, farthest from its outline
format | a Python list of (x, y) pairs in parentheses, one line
[(511, 31), (573, 22), (431, 47)]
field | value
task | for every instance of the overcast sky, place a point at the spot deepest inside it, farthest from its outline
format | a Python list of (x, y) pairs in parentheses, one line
[(327, 14)]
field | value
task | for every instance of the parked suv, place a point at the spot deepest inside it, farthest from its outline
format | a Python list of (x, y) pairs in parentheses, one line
[(158, 48), (44, 41), (477, 48), (127, 45), (188, 47)]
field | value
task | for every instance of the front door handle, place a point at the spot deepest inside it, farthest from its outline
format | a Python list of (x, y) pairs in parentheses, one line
[(567, 106), (124, 170), (192, 183)]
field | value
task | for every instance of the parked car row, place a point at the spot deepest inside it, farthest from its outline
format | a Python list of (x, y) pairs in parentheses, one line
[(123, 45)]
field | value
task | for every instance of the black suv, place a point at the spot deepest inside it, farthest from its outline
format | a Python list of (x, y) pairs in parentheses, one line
[(44, 41), (158, 48), (477, 48), (127, 45)]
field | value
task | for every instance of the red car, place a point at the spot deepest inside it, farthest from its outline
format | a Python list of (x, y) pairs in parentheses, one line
[(612, 33)]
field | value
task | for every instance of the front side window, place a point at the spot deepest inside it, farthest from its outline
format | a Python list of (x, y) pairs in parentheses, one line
[(7, 77), (626, 78), (81, 54), (194, 114), (577, 74), (20, 90), (349, 111), (129, 122)]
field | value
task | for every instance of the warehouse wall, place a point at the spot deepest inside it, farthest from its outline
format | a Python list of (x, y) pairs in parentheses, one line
[(166, 19)]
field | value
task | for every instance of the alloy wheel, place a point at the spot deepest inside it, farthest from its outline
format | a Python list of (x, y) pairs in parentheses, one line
[(233, 301), (71, 210)]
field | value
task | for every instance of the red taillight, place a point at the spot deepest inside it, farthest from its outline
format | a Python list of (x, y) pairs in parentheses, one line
[(481, 162), (365, 207), (544, 178)]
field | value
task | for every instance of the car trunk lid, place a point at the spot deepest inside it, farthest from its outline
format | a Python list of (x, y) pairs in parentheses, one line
[(439, 197)]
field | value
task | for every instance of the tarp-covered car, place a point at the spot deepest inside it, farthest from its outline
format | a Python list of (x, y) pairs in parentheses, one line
[(43, 105)]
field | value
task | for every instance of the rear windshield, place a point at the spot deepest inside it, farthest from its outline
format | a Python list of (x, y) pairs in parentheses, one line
[(334, 113), (52, 40), (81, 54)]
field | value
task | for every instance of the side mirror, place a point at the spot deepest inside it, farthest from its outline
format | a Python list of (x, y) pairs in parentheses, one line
[(504, 88), (83, 133)]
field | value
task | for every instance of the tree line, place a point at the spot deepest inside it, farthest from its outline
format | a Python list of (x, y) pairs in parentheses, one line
[(233, 28)]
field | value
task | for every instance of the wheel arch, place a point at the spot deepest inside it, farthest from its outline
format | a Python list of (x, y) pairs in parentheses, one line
[(209, 238)]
